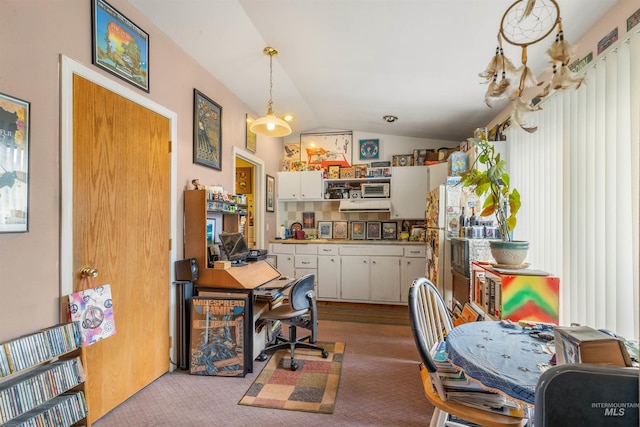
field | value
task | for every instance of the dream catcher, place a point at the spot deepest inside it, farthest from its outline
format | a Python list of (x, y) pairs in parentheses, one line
[(525, 23)]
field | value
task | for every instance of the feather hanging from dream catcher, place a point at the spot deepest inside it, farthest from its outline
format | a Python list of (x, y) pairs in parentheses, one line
[(563, 78), (522, 113), (496, 74), (561, 50)]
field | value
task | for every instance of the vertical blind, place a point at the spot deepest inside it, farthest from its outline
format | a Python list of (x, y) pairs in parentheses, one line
[(578, 176)]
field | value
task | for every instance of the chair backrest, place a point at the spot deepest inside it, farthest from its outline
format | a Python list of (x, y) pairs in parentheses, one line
[(302, 293), (430, 323), (579, 394)]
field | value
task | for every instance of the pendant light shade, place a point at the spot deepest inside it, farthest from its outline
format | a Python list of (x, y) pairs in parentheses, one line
[(270, 125)]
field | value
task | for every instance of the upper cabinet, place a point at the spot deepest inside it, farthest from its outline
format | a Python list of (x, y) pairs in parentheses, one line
[(305, 185), (409, 188)]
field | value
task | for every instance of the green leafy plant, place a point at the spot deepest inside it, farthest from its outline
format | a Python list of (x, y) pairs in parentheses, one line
[(491, 181)]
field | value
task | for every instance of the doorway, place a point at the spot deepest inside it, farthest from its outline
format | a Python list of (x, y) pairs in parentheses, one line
[(245, 162)]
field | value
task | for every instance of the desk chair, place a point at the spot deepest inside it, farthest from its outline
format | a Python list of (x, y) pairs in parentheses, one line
[(579, 394), (430, 322), (300, 311)]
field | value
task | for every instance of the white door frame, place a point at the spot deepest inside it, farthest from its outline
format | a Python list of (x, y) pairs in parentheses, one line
[(69, 67), (259, 198)]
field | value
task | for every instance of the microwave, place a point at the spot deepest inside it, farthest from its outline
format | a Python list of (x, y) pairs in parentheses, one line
[(378, 189)]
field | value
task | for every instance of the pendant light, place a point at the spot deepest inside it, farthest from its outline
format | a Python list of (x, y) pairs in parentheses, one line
[(270, 125)]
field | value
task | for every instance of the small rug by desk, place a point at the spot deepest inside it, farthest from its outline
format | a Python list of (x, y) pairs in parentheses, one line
[(313, 387)]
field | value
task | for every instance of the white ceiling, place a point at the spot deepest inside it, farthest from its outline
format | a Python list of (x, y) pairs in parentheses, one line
[(343, 64)]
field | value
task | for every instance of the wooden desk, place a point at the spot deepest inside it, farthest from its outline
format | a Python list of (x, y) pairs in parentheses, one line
[(245, 280)]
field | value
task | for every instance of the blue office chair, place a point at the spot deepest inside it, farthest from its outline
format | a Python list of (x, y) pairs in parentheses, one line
[(299, 312), (580, 394)]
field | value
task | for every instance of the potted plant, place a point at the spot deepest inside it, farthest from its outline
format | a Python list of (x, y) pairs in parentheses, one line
[(491, 181)]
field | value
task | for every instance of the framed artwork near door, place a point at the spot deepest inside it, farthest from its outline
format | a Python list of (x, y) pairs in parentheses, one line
[(271, 193), (14, 164), (251, 138), (243, 181), (207, 131), (119, 46)]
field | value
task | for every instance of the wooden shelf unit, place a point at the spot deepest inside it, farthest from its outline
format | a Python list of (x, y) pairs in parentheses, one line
[(42, 378), (515, 296)]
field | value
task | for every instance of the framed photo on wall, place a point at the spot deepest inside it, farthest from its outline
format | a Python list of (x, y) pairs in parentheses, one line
[(119, 46), (374, 230), (271, 193), (340, 229), (320, 150), (243, 181), (251, 137), (14, 164), (308, 220), (325, 230), (207, 131), (358, 230)]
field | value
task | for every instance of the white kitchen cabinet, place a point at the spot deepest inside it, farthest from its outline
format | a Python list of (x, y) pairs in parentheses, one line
[(414, 265), (354, 278), (385, 278), (285, 255), (328, 272), (409, 188), (305, 185)]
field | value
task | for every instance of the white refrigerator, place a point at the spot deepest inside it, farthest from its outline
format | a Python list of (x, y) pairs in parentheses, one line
[(442, 212)]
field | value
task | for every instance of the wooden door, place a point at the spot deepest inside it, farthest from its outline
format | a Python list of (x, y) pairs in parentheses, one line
[(121, 227)]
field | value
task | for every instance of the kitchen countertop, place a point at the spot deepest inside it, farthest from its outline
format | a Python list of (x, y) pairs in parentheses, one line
[(346, 242)]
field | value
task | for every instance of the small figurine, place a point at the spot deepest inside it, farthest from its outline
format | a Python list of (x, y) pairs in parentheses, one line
[(197, 185)]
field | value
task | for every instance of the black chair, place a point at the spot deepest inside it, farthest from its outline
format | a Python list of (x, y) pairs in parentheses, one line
[(580, 394), (299, 312)]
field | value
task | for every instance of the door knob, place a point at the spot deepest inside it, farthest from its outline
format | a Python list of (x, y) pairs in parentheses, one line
[(88, 272)]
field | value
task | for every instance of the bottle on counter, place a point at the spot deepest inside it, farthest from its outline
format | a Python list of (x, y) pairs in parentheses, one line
[(283, 232), (474, 219), (461, 223)]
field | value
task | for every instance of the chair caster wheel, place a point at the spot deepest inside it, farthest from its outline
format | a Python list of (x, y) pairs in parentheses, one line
[(325, 354), (262, 357), (294, 366)]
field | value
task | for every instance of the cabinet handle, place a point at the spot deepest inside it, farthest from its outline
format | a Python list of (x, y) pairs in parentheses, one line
[(305, 262)]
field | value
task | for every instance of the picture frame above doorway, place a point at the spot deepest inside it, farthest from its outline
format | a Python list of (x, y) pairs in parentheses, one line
[(119, 46), (207, 131), (251, 137)]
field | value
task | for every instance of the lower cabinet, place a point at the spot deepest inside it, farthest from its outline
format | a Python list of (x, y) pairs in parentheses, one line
[(328, 279), (357, 273)]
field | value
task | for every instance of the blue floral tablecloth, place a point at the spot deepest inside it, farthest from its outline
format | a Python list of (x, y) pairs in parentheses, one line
[(499, 358)]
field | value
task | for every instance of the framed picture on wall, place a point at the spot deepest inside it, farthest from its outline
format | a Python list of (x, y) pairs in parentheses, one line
[(251, 138), (119, 46), (325, 230), (14, 164), (207, 131), (271, 193), (369, 149), (374, 230), (243, 181)]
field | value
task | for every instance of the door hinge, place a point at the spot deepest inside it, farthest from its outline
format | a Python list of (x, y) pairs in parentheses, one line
[(170, 147), (170, 341), (170, 244)]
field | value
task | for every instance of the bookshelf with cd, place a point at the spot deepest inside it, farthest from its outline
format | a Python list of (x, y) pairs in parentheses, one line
[(42, 378)]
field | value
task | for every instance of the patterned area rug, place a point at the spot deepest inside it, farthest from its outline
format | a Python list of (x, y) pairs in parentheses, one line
[(313, 387)]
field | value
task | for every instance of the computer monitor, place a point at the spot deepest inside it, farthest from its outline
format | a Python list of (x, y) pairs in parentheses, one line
[(235, 246)]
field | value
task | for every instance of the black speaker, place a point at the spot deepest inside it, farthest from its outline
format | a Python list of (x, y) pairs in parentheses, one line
[(187, 270)]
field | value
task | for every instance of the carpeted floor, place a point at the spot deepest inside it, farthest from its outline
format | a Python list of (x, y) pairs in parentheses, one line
[(380, 385), (312, 387)]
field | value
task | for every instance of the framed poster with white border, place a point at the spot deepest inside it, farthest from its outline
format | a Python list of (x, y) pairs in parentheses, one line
[(325, 229), (319, 150), (14, 164), (340, 230), (358, 230), (374, 230)]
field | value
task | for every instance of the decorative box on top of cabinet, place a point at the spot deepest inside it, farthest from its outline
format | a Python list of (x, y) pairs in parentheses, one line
[(518, 296)]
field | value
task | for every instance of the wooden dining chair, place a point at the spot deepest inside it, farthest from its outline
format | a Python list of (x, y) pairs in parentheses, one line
[(430, 323)]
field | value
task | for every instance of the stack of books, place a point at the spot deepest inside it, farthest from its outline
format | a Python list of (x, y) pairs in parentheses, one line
[(462, 390)]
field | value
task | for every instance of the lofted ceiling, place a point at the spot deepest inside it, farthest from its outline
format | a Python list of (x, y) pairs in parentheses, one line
[(344, 64)]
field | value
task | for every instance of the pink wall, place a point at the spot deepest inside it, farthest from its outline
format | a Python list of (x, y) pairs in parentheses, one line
[(33, 35)]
